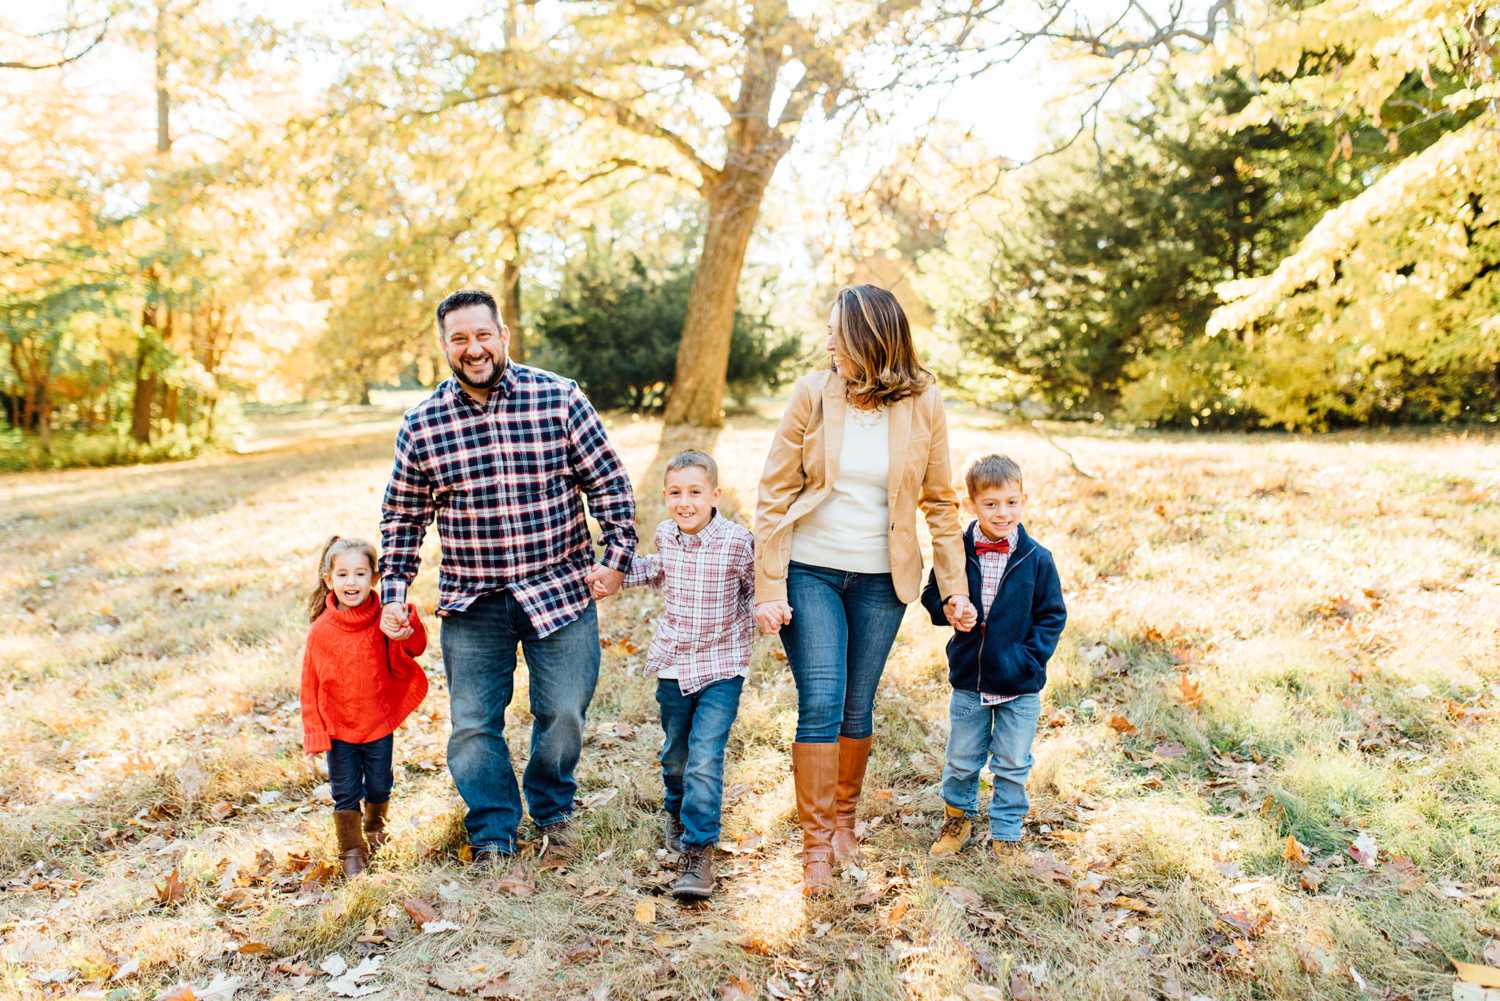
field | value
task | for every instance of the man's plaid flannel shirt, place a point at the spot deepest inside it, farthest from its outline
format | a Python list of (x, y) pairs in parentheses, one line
[(503, 479), (709, 583)]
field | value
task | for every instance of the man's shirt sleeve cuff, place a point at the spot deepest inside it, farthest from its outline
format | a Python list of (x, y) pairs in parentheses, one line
[(393, 592)]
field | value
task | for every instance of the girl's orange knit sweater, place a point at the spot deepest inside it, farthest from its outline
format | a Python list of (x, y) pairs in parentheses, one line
[(357, 686)]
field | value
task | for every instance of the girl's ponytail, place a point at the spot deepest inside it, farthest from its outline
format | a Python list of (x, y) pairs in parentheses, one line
[(317, 601)]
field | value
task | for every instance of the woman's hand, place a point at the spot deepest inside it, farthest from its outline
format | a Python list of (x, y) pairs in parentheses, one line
[(770, 616), (961, 613)]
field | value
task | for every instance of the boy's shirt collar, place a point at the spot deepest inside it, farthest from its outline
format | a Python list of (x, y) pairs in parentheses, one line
[(709, 532), (976, 533)]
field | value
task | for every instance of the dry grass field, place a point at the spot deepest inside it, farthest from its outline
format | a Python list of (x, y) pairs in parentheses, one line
[(1268, 766)]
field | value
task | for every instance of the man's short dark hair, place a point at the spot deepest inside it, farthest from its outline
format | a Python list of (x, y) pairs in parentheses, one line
[(463, 298)]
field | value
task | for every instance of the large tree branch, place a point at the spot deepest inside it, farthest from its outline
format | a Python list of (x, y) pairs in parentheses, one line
[(633, 120), (64, 59)]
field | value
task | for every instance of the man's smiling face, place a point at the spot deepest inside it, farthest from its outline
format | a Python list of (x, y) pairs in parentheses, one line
[(476, 344)]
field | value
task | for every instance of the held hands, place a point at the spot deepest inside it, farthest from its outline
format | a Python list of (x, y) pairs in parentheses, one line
[(770, 616), (602, 581), (961, 613), (395, 622)]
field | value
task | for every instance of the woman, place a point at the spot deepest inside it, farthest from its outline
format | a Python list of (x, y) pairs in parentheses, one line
[(860, 447)]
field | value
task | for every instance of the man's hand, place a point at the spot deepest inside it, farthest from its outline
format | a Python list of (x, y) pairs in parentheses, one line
[(961, 613), (603, 581), (772, 615), (394, 621)]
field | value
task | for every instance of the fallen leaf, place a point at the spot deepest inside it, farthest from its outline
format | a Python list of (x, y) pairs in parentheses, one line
[(1364, 851), (1491, 952), (1313, 960), (1189, 692), (1245, 925), (517, 882), (419, 910), (252, 948), (334, 965), (984, 992), (1119, 724), (1170, 750), (221, 810), (645, 911), (1132, 904), (323, 871), (965, 898), (1475, 973), (182, 992), (496, 987), (737, 989), (1294, 853), (173, 891), (1311, 880)]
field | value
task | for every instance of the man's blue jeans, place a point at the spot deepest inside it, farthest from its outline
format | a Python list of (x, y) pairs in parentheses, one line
[(479, 658), (360, 772), (843, 625), (1003, 734), (696, 729)]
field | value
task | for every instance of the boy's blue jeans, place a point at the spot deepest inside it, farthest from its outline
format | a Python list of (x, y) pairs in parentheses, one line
[(843, 625), (1003, 734), (360, 772), (696, 729), (479, 659)]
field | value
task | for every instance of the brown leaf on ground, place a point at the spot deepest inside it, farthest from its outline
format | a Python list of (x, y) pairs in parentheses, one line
[(1132, 904), (1294, 853), (221, 810), (755, 946), (1189, 692), (1312, 881), (582, 951), (1246, 925), (737, 989), (1119, 724), (517, 883), (1048, 867), (1021, 988), (173, 891), (495, 988), (1492, 952), (182, 992), (645, 911), (419, 910), (322, 871)]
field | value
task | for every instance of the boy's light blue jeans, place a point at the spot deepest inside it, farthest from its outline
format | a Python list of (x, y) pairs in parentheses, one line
[(695, 730), (1002, 734)]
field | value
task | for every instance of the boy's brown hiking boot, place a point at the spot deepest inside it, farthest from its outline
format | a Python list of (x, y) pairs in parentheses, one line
[(697, 879), (955, 833), (353, 855), (672, 831), (375, 814)]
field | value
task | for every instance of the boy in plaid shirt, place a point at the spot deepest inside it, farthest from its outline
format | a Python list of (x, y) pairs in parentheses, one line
[(705, 565)]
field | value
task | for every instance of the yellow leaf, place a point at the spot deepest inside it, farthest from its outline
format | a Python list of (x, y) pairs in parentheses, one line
[(645, 911), (1293, 852), (1474, 973), (1121, 725)]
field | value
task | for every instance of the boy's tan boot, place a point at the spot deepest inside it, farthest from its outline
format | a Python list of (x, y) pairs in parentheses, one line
[(1005, 850), (854, 754), (815, 775), (352, 852), (375, 814), (955, 833)]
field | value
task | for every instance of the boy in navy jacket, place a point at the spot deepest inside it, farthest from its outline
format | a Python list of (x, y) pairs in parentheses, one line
[(997, 658)]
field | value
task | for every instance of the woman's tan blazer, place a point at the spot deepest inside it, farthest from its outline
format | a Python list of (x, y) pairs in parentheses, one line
[(804, 462)]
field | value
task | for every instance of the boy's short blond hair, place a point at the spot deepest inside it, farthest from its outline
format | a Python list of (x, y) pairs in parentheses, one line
[(990, 471), (693, 458)]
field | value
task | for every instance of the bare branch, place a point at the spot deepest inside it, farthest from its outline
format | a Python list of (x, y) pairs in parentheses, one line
[(64, 59)]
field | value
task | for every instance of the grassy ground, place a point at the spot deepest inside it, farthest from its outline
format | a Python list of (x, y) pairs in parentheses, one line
[(1269, 638)]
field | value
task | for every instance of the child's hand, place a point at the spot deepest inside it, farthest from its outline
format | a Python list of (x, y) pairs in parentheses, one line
[(961, 613), (770, 616), (395, 622)]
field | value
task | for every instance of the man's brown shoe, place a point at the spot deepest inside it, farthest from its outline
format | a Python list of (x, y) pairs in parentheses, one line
[(375, 814), (353, 855), (697, 879), (955, 833)]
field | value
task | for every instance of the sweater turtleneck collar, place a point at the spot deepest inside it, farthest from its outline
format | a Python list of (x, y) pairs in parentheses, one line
[(362, 616)]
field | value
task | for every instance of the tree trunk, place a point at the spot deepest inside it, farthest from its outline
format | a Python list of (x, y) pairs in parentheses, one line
[(145, 394), (697, 394), (510, 296)]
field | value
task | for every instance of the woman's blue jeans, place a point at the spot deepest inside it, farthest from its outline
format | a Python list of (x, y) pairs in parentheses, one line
[(843, 625)]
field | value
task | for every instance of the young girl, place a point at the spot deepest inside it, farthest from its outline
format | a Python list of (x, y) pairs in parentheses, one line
[(357, 687)]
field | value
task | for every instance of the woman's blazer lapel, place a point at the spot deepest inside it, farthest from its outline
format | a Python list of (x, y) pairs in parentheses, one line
[(833, 426)]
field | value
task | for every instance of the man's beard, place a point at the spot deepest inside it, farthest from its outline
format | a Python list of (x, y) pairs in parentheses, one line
[(497, 370)]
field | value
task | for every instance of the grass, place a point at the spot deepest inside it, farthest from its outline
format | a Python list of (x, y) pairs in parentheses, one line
[(1268, 637)]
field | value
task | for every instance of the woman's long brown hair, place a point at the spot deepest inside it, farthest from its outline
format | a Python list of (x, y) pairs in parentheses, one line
[(317, 601), (872, 331)]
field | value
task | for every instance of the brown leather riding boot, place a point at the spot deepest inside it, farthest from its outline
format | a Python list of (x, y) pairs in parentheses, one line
[(815, 774), (352, 852), (853, 756), (375, 814)]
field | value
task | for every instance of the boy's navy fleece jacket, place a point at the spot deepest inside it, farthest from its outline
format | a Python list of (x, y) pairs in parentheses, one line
[(1007, 652)]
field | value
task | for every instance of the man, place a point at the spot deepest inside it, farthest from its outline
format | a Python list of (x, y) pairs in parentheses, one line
[(500, 453)]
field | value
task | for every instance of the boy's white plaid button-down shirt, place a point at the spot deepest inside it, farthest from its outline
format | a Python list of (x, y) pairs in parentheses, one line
[(991, 572), (708, 581)]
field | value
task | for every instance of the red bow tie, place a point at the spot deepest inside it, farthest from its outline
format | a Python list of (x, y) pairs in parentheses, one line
[(982, 546)]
